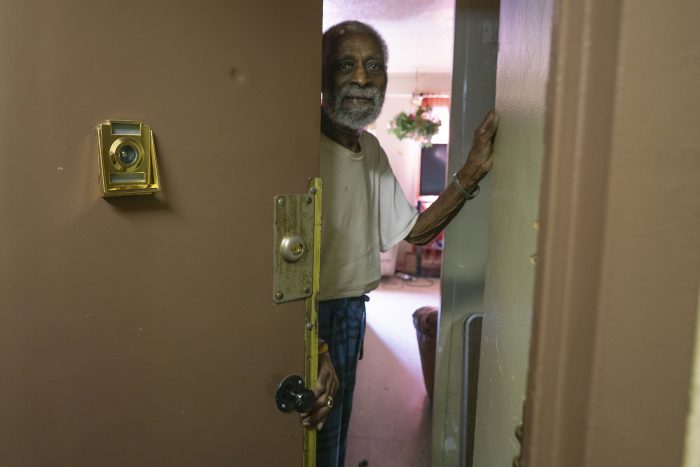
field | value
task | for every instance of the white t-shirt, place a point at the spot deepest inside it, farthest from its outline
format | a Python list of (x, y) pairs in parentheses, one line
[(364, 212)]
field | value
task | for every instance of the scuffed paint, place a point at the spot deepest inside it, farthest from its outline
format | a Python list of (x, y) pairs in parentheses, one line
[(450, 444)]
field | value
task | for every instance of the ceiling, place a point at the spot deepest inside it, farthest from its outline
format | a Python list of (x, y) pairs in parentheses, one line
[(419, 33)]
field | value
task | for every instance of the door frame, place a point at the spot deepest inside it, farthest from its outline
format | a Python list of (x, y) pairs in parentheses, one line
[(463, 263), (572, 383), (572, 213)]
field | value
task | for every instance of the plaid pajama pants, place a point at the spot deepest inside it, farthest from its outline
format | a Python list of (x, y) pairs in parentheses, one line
[(341, 323)]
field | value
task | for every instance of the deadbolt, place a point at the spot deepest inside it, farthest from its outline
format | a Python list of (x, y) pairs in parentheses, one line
[(294, 243), (292, 248)]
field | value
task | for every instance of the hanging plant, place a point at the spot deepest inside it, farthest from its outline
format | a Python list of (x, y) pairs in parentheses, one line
[(420, 126)]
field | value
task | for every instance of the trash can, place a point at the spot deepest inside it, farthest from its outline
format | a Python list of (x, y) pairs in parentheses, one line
[(425, 320)]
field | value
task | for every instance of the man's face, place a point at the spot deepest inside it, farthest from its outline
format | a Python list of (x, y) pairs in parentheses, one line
[(355, 81)]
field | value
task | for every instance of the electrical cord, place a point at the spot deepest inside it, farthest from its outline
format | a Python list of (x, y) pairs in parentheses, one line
[(412, 281), (389, 282)]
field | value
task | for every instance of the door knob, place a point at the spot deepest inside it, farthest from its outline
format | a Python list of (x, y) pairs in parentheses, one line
[(292, 395)]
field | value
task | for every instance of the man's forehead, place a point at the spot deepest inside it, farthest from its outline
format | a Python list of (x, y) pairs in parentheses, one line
[(356, 42)]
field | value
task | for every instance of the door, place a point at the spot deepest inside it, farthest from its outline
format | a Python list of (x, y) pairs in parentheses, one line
[(523, 65), (141, 331)]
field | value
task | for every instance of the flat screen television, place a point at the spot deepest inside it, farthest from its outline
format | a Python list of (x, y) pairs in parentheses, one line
[(433, 165)]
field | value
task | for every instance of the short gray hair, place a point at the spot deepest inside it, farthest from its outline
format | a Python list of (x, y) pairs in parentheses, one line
[(332, 34)]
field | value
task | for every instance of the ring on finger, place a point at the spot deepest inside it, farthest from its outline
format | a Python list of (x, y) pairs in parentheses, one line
[(329, 404)]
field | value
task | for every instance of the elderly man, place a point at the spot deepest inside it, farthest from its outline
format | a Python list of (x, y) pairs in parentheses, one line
[(364, 212)]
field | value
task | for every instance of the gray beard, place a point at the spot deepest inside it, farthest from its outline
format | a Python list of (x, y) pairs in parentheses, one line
[(351, 117)]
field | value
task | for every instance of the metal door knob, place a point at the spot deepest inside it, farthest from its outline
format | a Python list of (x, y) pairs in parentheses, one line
[(292, 395)]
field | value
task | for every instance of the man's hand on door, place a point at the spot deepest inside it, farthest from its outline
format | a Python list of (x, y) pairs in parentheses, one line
[(326, 387), (480, 159)]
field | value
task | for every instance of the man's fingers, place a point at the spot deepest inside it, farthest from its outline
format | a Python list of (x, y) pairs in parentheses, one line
[(488, 127), (318, 414), (319, 390), (319, 417), (332, 386), (326, 387)]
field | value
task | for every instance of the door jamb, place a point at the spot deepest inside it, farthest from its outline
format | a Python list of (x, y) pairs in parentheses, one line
[(573, 202)]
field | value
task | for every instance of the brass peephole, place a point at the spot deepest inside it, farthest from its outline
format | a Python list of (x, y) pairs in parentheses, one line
[(128, 163)]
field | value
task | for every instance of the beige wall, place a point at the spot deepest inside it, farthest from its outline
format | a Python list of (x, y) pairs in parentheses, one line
[(648, 294), (404, 155), (617, 290)]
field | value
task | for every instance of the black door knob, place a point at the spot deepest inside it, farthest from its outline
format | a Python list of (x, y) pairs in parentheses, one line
[(293, 395)]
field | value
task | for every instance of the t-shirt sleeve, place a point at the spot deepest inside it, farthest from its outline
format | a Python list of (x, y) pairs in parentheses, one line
[(396, 215)]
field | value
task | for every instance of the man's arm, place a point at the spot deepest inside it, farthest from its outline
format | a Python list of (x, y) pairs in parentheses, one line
[(434, 219)]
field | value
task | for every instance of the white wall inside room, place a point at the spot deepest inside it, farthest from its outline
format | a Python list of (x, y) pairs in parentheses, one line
[(404, 155), (419, 33)]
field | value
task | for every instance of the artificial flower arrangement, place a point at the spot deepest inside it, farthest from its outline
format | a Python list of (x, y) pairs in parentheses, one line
[(420, 126)]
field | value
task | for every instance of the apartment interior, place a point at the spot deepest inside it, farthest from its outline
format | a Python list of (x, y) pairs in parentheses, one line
[(392, 412)]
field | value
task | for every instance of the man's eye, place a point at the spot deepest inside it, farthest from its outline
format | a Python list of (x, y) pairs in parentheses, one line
[(345, 66), (374, 66)]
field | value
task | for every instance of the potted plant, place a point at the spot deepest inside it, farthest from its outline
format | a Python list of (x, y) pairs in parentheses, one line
[(420, 126)]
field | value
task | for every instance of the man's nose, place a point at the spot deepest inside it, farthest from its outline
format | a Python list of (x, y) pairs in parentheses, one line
[(360, 76)]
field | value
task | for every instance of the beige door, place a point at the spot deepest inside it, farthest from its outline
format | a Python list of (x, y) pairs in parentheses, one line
[(141, 331), (523, 65)]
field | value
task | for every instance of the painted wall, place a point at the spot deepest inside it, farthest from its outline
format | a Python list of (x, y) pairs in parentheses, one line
[(520, 99), (651, 265), (418, 32), (617, 281)]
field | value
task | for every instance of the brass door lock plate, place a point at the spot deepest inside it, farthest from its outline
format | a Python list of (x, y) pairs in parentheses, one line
[(293, 247), (127, 158), (296, 275)]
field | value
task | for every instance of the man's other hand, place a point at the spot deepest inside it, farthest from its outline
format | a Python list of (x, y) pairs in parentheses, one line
[(480, 161), (326, 387)]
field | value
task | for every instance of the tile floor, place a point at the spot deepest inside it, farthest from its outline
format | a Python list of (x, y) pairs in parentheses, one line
[(390, 426)]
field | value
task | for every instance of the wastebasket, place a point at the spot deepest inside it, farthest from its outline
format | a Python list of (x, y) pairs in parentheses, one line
[(425, 320)]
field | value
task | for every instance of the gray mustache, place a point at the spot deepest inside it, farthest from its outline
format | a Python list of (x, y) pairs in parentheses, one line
[(356, 91)]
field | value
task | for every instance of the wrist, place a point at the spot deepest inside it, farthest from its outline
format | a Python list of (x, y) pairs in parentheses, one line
[(324, 360), (322, 346), (467, 191), (468, 178)]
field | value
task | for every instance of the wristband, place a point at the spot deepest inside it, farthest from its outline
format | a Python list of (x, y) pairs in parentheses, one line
[(462, 192)]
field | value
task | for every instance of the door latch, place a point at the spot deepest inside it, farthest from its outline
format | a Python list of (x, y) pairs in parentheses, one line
[(293, 246)]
